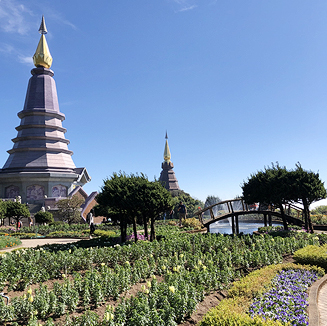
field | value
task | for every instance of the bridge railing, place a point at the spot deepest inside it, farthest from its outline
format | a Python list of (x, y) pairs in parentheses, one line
[(238, 205), (231, 206)]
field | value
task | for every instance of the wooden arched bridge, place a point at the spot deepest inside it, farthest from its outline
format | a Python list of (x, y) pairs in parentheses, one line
[(237, 207)]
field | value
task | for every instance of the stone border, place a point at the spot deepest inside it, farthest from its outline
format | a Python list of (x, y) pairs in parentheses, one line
[(313, 301)]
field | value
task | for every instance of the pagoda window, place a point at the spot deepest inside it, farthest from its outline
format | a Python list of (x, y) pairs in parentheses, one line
[(12, 192), (35, 192)]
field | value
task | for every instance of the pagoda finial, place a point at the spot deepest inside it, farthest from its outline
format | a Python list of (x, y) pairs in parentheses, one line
[(42, 56), (167, 151), (43, 28)]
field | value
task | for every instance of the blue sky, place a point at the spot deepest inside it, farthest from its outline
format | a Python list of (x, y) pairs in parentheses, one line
[(236, 84)]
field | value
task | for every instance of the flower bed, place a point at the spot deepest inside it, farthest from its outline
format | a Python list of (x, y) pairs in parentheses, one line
[(7, 241), (190, 266), (274, 295), (287, 300)]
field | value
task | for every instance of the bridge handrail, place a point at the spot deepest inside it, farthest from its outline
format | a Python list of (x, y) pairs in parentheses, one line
[(213, 205), (229, 205), (245, 207)]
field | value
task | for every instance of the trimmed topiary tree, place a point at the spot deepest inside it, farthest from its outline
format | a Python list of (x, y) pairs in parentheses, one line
[(43, 217)]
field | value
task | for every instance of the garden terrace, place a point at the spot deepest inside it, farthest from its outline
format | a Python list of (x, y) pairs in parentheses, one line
[(176, 272)]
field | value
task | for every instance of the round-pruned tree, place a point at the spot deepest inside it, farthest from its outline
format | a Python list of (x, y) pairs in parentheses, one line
[(43, 217), (133, 199), (278, 186), (307, 188), (16, 211), (272, 186)]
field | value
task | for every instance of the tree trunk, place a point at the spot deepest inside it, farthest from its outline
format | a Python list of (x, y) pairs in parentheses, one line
[(135, 229), (145, 224), (123, 228), (283, 216), (307, 217), (153, 232)]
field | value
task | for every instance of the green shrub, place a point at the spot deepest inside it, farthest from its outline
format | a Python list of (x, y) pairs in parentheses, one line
[(322, 238), (23, 235), (68, 234), (312, 255), (43, 217), (57, 223), (105, 234), (319, 219), (231, 312), (192, 223)]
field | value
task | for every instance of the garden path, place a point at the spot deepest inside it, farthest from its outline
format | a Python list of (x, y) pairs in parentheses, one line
[(31, 243), (322, 305)]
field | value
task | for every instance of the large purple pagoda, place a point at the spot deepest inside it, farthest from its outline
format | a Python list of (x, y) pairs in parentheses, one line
[(40, 164)]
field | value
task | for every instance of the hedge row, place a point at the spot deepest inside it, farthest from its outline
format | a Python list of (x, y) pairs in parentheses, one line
[(312, 255)]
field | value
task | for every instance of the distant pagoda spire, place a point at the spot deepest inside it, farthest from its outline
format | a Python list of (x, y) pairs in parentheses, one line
[(167, 175), (167, 155), (42, 56)]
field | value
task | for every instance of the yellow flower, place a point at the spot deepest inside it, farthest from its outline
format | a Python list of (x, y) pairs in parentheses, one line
[(69, 250), (154, 277), (102, 264), (181, 256), (204, 267), (163, 267), (63, 275), (172, 289), (147, 291), (127, 262), (108, 316), (24, 297), (225, 249), (30, 291), (31, 299), (148, 284)]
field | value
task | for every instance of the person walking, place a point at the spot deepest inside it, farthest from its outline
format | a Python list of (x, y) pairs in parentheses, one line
[(91, 222), (182, 212)]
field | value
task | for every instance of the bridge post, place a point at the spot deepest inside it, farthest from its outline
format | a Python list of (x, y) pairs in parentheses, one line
[(233, 224), (265, 219), (236, 224), (269, 219), (212, 214)]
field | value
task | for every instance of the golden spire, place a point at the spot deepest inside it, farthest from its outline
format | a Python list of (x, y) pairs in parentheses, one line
[(42, 56), (167, 151)]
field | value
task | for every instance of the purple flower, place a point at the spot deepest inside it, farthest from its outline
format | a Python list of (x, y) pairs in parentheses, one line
[(286, 301), (139, 237)]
